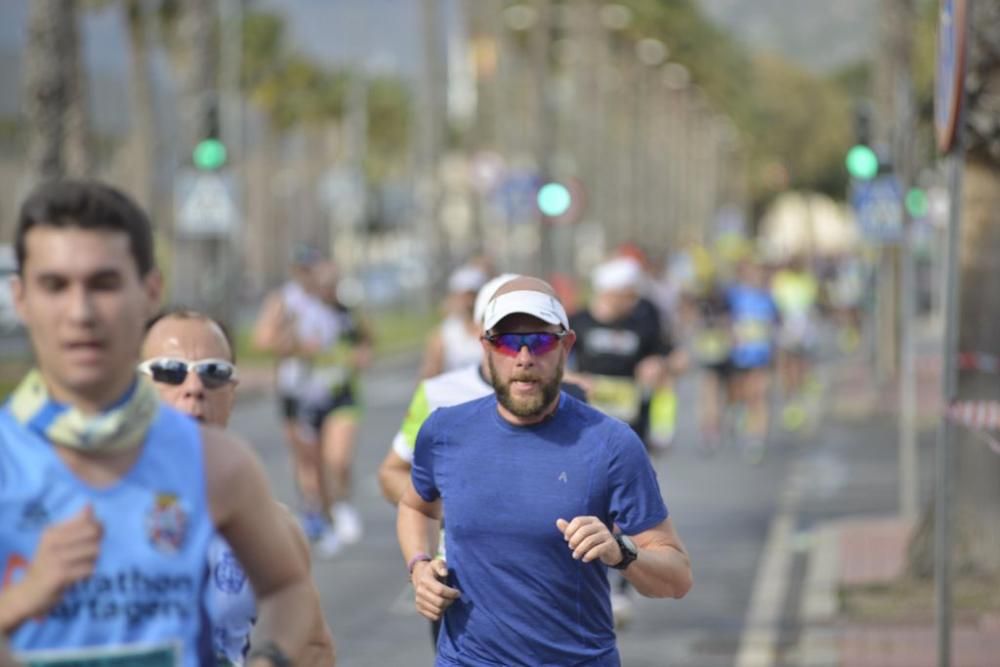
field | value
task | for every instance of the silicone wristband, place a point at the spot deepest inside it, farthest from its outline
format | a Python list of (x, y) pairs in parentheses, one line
[(412, 563)]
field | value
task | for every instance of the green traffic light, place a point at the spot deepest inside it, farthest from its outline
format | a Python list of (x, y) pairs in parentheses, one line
[(554, 199), (862, 163), (916, 203), (209, 154)]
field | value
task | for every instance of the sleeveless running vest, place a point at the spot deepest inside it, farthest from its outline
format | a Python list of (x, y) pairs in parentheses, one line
[(143, 606), (461, 348), (230, 602), (307, 313)]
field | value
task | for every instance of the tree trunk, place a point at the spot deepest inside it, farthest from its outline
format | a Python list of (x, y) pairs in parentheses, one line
[(80, 160), (977, 484), (197, 65), (430, 140), (47, 87), (143, 126), (197, 61)]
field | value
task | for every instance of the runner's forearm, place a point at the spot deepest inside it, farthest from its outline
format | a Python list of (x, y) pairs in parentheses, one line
[(416, 531), (6, 659), (320, 652), (15, 608), (660, 572), (280, 618)]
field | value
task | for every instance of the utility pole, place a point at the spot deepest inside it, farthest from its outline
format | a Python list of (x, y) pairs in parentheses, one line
[(896, 337), (430, 141), (547, 124), (896, 21), (197, 278), (230, 249)]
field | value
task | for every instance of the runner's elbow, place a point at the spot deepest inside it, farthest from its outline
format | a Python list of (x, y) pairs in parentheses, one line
[(388, 481), (684, 586)]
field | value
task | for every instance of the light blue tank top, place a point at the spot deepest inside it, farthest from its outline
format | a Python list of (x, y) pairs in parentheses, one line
[(230, 601), (143, 606), (754, 315)]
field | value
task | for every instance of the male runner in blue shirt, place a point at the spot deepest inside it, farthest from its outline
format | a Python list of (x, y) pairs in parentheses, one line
[(542, 494)]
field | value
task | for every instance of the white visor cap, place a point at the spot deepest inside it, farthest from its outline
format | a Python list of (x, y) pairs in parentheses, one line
[(466, 279), (486, 293), (525, 302), (617, 274)]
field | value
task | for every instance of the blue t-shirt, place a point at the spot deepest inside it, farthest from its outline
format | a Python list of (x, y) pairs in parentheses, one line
[(525, 601), (753, 314)]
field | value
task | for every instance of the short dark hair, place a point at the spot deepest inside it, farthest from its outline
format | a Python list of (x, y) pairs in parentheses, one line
[(88, 205), (183, 313)]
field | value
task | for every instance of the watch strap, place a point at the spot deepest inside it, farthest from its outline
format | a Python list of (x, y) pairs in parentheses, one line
[(629, 552)]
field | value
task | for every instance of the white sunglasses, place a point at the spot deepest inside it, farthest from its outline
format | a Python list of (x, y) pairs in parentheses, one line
[(214, 373)]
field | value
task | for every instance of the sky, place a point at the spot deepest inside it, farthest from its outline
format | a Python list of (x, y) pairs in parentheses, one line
[(385, 35)]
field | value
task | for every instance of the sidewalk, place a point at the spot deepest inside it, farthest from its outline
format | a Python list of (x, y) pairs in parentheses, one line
[(854, 396), (871, 552)]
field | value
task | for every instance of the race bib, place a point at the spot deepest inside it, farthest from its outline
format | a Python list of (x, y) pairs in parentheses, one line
[(616, 397), (711, 346), (163, 655), (751, 332)]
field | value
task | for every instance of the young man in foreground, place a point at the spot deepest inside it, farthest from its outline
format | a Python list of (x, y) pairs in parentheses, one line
[(108, 500)]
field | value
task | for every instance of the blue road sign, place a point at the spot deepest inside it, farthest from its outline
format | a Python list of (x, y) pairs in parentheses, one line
[(879, 206), (516, 194)]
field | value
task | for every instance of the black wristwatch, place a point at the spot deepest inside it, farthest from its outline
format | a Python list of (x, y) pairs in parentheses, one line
[(272, 652), (629, 551)]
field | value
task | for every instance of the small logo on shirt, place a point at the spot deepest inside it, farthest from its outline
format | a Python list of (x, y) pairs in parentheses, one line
[(563, 478), (229, 575), (34, 515), (166, 523)]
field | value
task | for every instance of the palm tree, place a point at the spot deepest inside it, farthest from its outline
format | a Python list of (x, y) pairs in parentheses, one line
[(145, 21), (79, 149), (55, 106)]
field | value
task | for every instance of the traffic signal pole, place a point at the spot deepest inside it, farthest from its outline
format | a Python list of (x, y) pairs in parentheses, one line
[(547, 123)]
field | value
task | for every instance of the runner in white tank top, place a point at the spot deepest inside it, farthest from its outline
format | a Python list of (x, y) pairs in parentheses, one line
[(455, 343), (206, 392)]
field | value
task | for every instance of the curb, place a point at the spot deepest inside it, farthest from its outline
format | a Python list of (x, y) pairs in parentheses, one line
[(820, 603)]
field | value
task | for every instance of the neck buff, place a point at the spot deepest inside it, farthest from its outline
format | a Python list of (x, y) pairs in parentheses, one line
[(120, 427)]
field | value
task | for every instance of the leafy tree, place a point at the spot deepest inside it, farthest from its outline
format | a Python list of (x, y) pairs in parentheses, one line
[(786, 115)]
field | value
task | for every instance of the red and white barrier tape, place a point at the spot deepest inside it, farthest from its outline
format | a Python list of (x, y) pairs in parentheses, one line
[(979, 361), (980, 417)]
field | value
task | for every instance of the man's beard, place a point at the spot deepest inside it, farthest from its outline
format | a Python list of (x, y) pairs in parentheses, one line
[(526, 407)]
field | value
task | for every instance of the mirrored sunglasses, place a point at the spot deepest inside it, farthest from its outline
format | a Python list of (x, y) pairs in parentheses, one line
[(510, 344), (213, 373)]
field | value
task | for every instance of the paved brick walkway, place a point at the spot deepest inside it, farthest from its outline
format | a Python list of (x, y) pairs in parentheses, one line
[(855, 396), (873, 551), (914, 645)]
